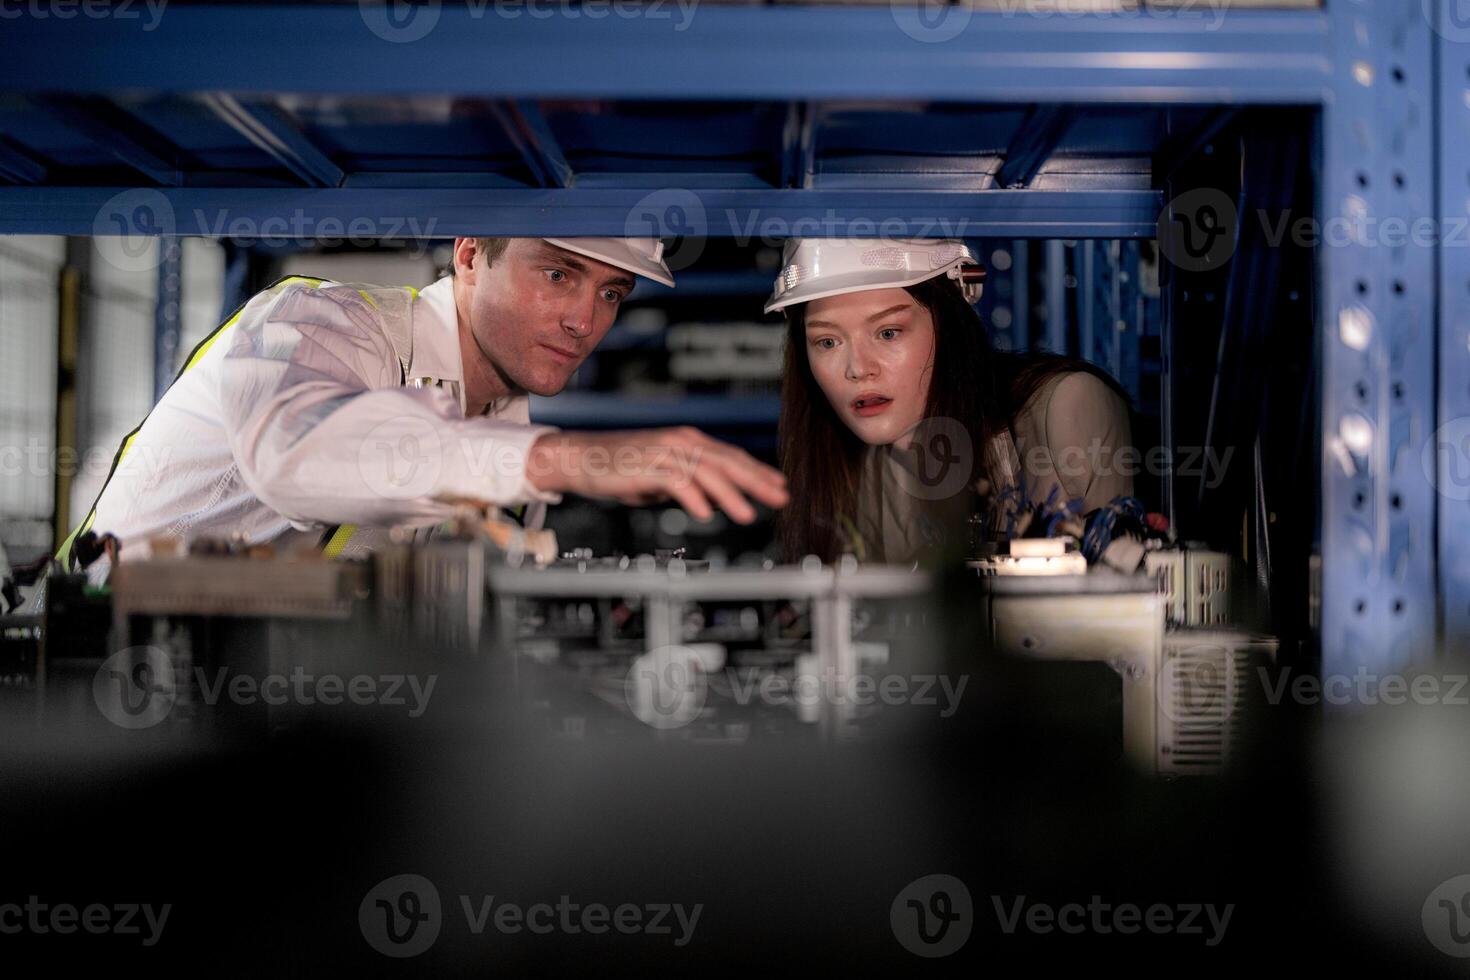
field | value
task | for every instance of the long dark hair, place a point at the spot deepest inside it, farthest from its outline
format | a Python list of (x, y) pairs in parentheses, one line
[(970, 382)]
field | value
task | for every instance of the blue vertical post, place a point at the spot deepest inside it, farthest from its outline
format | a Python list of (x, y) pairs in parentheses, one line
[(1450, 445), (167, 314), (1056, 297), (1129, 326), (1087, 290), (237, 279), (1021, 293), (1377, 343)]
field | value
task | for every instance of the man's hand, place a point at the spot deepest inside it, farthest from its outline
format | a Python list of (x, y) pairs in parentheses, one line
[(646, 466)]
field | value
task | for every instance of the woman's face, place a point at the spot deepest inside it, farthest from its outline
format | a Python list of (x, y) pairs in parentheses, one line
[(872, 353)]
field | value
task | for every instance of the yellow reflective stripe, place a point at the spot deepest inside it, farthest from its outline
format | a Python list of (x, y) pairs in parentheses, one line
[(63, 554), (198, 356), (338, 541), (374, 303), (203, 348), (334, 546)]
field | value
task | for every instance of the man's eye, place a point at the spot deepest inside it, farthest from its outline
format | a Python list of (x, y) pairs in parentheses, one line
[(612, 296), (556, 275)]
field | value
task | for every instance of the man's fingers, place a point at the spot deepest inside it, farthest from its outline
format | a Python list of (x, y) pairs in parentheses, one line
[(714, 483), (767, 472), (692, 500), (766, 483), (699, 472), (760, 481), (736, 456)]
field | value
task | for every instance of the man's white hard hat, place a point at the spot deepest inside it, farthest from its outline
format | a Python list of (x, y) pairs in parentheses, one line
[(641, 256), (812, 268)]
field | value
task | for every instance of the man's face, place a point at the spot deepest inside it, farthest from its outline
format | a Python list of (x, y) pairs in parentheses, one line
[(539, 310)]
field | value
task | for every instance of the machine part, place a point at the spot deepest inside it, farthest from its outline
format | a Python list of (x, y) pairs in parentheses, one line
[(1035, 556), (1072, 564), (645, 623), (1195, 584), (235, 586), (20, 657), (1113, 619), (1209, 691), (1038, 547), (1123, 555), (449, 595), (516, 542), (723, 351)]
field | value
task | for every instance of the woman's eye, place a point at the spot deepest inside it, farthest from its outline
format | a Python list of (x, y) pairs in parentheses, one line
[(826, 343), (889, 333)]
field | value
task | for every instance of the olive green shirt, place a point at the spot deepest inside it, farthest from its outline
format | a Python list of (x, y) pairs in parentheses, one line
[(1066, 439)]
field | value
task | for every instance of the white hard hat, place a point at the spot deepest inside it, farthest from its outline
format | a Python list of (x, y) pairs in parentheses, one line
[(812, 268), (641, 256)]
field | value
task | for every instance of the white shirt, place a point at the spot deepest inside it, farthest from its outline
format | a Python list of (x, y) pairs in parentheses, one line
[(295, 418)]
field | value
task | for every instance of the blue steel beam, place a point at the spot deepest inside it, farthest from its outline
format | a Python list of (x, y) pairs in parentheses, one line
[(1087, 290), (273, 133), (422, 180), (706, 282), (18, 166), (1378, 612), (1033, 144), (791, 133), (715, 52), (799, 145), (719, 212), (594, 410), (659, 179), (90, 121), (1056, 298), (1450, 443), (531, 135), (1179, 147)]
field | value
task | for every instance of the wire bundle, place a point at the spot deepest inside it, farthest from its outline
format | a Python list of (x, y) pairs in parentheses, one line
[(1123, 515)]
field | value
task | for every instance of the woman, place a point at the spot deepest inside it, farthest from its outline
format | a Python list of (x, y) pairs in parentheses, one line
[(899, 422)]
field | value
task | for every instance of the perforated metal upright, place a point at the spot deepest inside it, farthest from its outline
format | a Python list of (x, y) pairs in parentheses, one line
[(1377, 341), (1451, 439)]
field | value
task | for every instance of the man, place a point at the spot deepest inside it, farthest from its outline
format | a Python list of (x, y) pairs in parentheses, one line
[(325, 413)]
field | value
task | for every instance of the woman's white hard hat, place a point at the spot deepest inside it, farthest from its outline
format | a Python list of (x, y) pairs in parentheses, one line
[(812, 268), (640, 256)]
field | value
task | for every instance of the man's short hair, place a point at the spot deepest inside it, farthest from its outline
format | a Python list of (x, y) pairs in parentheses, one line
[(488, 248), (491, 248)]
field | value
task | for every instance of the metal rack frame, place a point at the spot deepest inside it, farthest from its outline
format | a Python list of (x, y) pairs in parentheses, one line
[(1390, 81)]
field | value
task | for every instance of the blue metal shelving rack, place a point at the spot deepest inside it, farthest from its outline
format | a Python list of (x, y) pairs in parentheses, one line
[(822, 120)]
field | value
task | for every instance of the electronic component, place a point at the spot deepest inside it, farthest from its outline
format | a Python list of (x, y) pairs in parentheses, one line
[(1210, 691), (626, 626), (1195, 584), (1034, 556)]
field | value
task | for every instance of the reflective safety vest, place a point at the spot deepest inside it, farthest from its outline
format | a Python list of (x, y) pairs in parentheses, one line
[(396, 307)]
